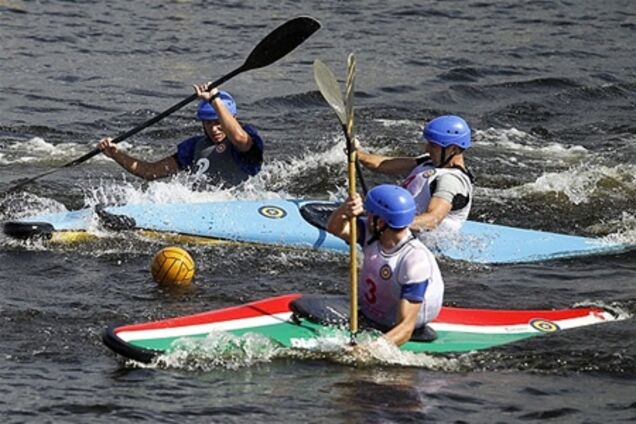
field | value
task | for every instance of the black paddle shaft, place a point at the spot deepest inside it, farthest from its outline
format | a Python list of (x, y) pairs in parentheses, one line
[(358, 167), (273, 47)]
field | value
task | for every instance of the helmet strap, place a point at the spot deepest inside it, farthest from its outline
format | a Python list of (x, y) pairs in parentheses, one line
[(205, 131), (446, 160), (377, 232)]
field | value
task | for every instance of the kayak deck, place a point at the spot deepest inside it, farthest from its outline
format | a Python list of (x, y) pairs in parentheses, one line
[(301, 224), (458, 329)]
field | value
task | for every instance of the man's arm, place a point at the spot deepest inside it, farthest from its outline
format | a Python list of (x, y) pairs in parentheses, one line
[(254, 156), (441, 204), (438, 209), (385, 164), (407, 318), (146, 170), (231, 127), (339, 221)]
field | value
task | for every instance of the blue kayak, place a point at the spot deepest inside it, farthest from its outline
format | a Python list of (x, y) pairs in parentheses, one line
[(300, 224)]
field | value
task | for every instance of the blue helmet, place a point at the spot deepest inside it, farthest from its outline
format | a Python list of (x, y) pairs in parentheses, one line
[(207, 113), (447, 130), (394, 204)]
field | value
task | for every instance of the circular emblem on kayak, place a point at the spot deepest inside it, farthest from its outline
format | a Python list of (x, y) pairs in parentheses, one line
[(385, 272), (273, 212), (544, 326), (428, 173), (220, 148)]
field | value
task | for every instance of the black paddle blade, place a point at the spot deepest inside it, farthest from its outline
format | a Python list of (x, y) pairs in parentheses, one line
[(281, 41)]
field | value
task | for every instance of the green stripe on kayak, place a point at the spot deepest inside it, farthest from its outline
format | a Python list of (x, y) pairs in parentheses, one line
[(284, 333)]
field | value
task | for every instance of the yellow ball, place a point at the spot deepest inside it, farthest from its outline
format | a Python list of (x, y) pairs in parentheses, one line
[(172, 266)]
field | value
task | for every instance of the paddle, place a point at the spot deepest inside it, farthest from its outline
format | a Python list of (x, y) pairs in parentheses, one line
[(273, 47), (351, 162), (330, 90)]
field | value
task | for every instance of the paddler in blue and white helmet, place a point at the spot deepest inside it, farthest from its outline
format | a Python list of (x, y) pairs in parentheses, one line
[(228, 152), (400, 285), (439, 180)]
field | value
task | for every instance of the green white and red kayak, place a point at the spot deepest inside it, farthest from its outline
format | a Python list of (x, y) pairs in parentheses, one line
[(458, 329)]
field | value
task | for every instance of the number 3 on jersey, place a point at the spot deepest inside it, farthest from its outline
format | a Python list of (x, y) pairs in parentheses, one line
[(369, 293)]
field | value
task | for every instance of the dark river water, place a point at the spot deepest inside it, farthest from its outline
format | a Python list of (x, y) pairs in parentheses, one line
[(548, 86)]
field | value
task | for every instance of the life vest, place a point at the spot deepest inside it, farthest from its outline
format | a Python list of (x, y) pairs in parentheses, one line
[(215, 161), (422, 181), (221, 162), (383, 274)]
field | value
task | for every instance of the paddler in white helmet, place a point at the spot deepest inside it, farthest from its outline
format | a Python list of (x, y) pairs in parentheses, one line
[(400, 286), (439, 180), (228, 152)]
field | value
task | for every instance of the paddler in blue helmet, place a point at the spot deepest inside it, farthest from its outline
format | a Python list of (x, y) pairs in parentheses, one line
[(400, 286), (228, 152), (439, 180)]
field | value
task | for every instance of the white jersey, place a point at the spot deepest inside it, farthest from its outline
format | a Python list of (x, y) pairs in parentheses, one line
[(385, 273), (420, 182)]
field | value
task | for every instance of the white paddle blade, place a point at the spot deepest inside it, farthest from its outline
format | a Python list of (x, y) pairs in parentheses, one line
[(349, 93), (329, 88)]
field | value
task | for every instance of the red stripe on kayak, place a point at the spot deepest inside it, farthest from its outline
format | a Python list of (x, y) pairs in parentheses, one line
[(448, 315), (509, 317), (271, 306)]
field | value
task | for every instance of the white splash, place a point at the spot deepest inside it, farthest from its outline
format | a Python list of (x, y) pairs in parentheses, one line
[(623, 229), (580, 183), (619, 312), (216, 350), (514, 140), (271, 183), (228, 351), (390, 123), (19, 205), (335, 345), (36, 149)]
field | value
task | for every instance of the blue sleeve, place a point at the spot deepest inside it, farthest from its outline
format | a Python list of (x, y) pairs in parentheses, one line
[(414, 292), (185, 152), (256, 137), (250, 162), (361, 226)]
